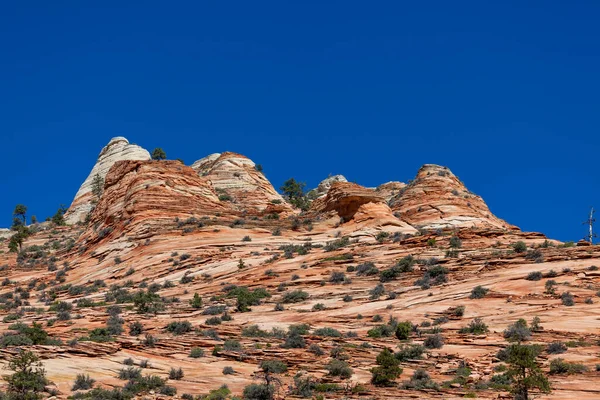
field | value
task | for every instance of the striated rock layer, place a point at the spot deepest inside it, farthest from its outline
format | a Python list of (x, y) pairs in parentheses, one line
[(325, 185), (117, 149), (236, 178), (437, 199), (140, 196), (363, 207)]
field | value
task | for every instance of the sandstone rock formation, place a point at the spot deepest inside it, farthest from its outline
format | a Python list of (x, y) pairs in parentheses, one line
[(117, 149), (141, 196), (325, 185), (138, 264), (235, 176), (364, 207), (390, 189), (437, 199), (346, 198)]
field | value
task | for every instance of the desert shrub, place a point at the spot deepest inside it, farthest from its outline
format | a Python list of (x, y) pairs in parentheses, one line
[(316, 349), (176, 374), (295, 296), (435, 275), (327, 332), (560, 366), (228, 371), (478, 292), (410, 352), (136, 328), (130, 373), (403, 265), (337, 244), (83, 382), (387, 370), (549, 285), (403, 330), (213, 321), (457, 311), (420, 380), (435, 341), (257, 391), (534, 276), (337, 277), (517, 332), (455, 242), (214, 310), (476, 327), (556, 348), (567, 299), (179, 327), (196, 352), (366, 269), (376, 292), (519, 247), (148, 302), (232, 345), (339, 368)]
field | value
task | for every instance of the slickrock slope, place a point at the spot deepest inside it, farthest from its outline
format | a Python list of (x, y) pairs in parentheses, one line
[(167, 276), (117, 149), (235, 176), (437, 199)]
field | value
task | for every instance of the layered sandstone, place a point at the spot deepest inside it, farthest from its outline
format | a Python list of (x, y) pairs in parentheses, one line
[(142, 196), (437, 199), (324, 186), (235, 177), (118, 149), (364, 207)]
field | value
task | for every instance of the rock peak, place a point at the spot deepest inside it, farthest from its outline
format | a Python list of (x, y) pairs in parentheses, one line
[(118, 149)]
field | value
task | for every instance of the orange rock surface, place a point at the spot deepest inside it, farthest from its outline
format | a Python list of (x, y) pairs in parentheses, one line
[(160, 226)]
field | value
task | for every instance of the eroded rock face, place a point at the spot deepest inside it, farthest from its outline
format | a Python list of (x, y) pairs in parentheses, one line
[(236, 176), (437, 199), (345, 198), (139, 196), (390, 189), (325, 184), (118, 149)]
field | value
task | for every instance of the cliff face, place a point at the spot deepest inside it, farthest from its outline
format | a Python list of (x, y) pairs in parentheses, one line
[(437, 199), (236, 178), (118, 149)]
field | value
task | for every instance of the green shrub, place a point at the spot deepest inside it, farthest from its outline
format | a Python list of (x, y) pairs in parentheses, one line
[(387, 370), (327, 332), (476, 327), (176, 374), (83, 382), (403, 330), (478, 292), (560, 366), (179, 327), (339, 368), (519, 247), (295, 296)]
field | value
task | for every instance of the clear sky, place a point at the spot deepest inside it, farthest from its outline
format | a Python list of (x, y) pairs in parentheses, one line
[(506, 94)]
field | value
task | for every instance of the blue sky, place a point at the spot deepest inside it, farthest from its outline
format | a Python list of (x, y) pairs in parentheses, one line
[(506, 95)]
